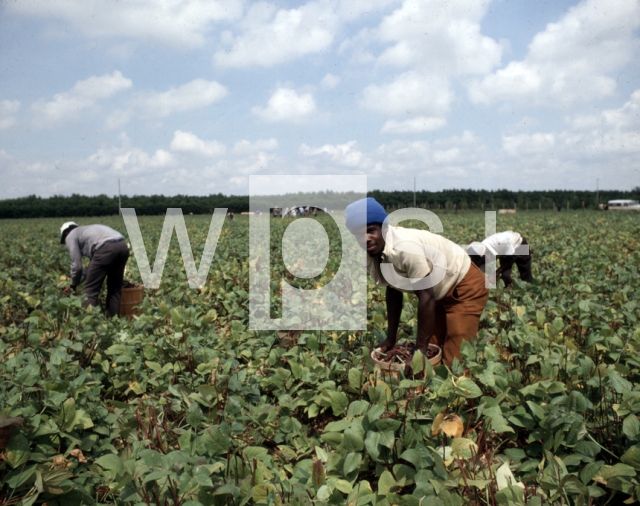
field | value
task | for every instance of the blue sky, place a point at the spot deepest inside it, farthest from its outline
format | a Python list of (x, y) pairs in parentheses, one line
[(195, 96)]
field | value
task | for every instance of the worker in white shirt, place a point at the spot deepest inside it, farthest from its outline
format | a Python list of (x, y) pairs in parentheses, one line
[(507, 247)]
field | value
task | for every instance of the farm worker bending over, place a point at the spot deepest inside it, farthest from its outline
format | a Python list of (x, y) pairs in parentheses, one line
[(505, 246), (449, 310), (108, 253)]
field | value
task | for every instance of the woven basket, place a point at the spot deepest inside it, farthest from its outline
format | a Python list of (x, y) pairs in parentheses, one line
[(129, 300), (394, 369)]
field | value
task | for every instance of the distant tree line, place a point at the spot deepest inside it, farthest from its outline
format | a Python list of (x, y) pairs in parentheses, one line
[(501, 199), (102, 205), (458, 200)]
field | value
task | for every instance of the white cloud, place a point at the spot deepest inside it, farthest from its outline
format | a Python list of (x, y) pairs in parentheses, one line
[(129, 161), (287, 106), (118, 118), (441, 37), (251, 163), (340, 154), (84, 95), (269, 38), (612, 132), (571, 60), (528, 144), (357, 46), (192, 95), (7, 109), (442, 163), (186, 142), (413, 125), (605, 145), (245, 147), (330, 81), (173, 22), (408, 94), (352, 9), (432, 42), (627, 116)]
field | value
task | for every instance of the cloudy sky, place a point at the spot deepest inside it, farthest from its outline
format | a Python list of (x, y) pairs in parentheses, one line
[(193, 97)]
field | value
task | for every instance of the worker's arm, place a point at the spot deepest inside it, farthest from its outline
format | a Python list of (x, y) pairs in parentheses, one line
[(394, 310), (76, 261), (426, 318)]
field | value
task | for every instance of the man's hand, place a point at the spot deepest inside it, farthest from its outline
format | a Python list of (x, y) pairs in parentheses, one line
[(67, 291)]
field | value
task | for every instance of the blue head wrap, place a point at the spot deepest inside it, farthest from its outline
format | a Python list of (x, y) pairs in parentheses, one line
[(364, 212)]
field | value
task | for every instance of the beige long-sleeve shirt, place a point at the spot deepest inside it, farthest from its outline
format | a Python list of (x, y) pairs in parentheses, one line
[(416, 254)]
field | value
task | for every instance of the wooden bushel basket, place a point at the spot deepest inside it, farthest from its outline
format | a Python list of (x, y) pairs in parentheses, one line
[(130, 298)]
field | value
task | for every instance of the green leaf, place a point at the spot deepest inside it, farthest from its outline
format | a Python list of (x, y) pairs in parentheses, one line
[(619, 384), (463, 448), (195, 417), (333, 439), (185, 441), (413, 457), (30, 500), (338, 426), (176, 318), (116, 349), (15, 479), (355, 379), (351, 462), (387, 438), (587, 448), (339, 402), (27, 376), (17, 450), (356, 408), (371, 443), (227, 489), (203, 480), (68, 414), (631, 427), (385, 424), (112, 463), (632, 456), (343, 486), (352, 441), (386, 483), (608, 472), (590, 470), (573, 485), (504, 477), (55, 477), (467, 388), (254, 452), (417, 362)]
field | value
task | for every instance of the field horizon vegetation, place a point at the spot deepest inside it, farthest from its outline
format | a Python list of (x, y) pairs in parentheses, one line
[(184, 405), (460, 199)]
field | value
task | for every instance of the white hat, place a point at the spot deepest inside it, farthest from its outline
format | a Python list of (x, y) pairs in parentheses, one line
[(476, 248), (65, 226)]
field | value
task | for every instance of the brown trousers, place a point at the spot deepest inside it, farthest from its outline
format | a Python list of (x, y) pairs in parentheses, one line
[(108, 262), (458, 314)]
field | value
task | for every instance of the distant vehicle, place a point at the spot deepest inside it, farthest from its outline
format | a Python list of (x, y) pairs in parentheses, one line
[(623, 205)]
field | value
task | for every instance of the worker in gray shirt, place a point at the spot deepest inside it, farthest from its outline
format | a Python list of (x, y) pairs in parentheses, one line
[(108, 254)]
